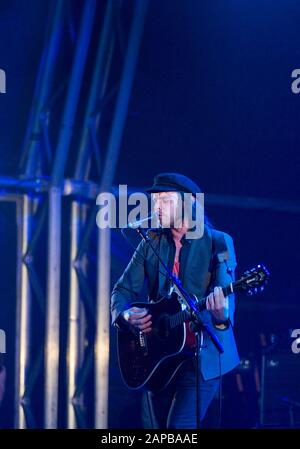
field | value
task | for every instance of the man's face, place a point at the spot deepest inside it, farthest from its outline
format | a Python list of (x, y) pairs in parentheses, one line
[(167, 205)]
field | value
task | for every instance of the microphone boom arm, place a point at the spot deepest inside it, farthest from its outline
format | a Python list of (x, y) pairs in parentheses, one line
[(189, 300)]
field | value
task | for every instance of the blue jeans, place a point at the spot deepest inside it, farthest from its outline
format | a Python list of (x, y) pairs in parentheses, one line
[(175, 406)]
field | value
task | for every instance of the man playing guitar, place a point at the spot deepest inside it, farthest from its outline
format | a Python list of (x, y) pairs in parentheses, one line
[(202, 273)]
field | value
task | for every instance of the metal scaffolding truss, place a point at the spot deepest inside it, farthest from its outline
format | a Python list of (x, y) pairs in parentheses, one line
[(45, 196), (47, 199)]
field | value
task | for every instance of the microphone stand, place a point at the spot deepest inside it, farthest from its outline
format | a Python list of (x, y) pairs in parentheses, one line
[(196, 317)]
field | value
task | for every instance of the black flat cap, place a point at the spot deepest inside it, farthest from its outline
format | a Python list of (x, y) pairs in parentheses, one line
[(173, 182)]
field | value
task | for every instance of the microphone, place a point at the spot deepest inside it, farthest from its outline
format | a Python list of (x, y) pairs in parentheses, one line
[(138, 223)]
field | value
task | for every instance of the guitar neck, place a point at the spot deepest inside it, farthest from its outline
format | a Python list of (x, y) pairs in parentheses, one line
[(180, 317), (226, 291)]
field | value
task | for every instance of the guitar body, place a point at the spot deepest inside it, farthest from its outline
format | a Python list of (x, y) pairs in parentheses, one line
[(150, 360)]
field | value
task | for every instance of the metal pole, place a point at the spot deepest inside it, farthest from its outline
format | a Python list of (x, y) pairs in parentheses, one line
[(23, 321), (53, 309), (33, 136), (73, 92), (102, 330), (103, 292), (124, 93), (76, 318), (54, 242), (97, 88)]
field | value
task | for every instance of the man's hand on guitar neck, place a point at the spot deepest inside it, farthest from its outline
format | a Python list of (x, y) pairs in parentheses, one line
[(139, 318), (218, 306)]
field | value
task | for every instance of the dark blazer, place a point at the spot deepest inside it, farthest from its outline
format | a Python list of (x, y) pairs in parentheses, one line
[(201, 269)]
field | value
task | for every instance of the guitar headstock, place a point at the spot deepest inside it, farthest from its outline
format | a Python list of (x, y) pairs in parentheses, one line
[(253, 281)]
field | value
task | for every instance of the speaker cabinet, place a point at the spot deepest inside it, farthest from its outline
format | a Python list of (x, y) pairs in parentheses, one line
[(280, 390)]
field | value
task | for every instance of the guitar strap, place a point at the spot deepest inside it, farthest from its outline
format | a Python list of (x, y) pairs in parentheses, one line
[(219, 253)]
